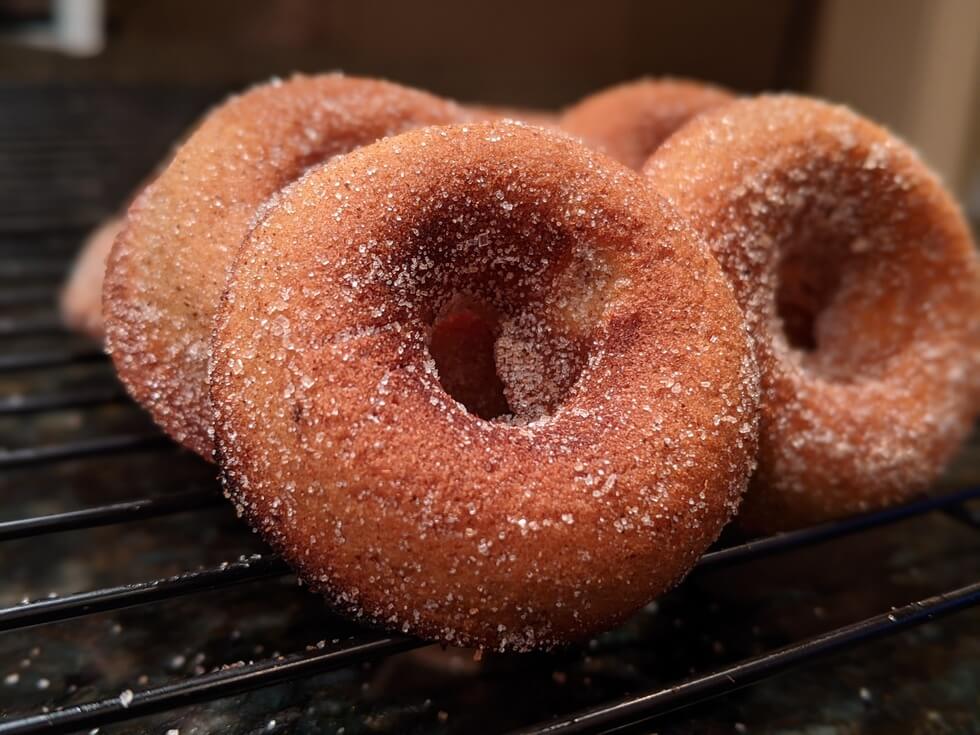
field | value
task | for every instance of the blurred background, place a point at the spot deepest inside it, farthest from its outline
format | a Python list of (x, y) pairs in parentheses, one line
[(912, 64)]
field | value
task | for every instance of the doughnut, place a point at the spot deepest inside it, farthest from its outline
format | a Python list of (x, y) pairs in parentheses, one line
[(623, 428), (861, 286), (80, 301), (166, 272), (630, 120)]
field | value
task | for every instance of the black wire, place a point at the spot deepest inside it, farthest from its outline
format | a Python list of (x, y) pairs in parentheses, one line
[(82, 449), (22, 405), (103, 515), (50, 359), (834, 529), (35, 326), (27, 296), (55, 609)]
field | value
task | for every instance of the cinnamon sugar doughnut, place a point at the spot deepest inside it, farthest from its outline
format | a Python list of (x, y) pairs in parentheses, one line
[(860, 284), (623, 370), (629, 121), (80, 301), (167, 270)]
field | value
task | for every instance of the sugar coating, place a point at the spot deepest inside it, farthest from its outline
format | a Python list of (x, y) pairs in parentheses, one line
[(631, 386), (629, 121), (166, 273), (81, 297), (815, 212)]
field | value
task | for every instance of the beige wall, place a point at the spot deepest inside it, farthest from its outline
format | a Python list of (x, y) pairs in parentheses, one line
[(534, 52), (913, 65)]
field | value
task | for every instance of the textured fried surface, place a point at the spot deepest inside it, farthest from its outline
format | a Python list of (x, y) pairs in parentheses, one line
[(619, 345), (859, 281), (81, 296), (629, 121), (167, 270)]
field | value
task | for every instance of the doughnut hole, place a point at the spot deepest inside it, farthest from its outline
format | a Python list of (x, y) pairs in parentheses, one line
[(506, 368), (510, 312), (805, 288), (844, 299), (461, 343), (539, 364)]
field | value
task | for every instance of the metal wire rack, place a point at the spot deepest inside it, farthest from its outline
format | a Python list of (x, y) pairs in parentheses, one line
[(58, 351), (369, 645)]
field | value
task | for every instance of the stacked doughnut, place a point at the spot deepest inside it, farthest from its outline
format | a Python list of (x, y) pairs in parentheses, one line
[(500, 384)]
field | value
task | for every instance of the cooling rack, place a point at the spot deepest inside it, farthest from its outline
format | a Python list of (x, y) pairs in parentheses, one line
[(369, 645), (609, 684)]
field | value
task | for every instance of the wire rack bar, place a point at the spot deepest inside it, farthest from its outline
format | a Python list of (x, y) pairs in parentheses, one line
[(104, 515), (33, 296), (79, 604), (27, 270), (82, 449), (965, 515), (31, 327), (835, 529), (56, 609), (50, 359), (636, 709), (215, 685), (23, 405)]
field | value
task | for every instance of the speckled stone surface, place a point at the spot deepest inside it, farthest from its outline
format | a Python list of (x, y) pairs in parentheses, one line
[(926, 681)]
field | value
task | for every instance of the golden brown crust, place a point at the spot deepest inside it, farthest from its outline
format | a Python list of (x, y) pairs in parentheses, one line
[(860, 284), (629, 121), (81, 297), (339, 444), (166, 273)]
